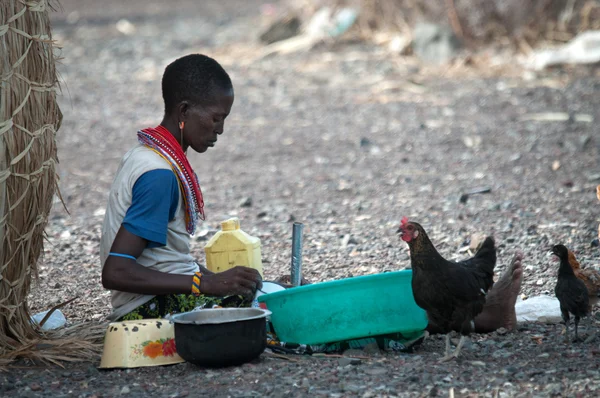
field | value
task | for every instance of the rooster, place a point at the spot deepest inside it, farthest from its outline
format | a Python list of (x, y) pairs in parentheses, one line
[(452, 293), (570, 291), (590, 277)]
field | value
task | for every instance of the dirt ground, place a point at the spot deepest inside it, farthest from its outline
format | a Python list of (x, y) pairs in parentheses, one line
[(347, 139)]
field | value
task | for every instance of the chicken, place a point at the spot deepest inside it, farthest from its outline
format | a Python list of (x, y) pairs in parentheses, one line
[(590, 277), (570, 291), (452, 293)]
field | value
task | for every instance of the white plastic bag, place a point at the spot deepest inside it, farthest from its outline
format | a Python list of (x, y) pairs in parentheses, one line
[(55, 321), (538, 309)]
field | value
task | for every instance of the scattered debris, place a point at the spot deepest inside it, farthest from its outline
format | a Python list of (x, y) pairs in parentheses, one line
[(558, 117), (324, 25), (475, 241), (465, 196), (583, 49), (472, 141), (348, 240), (435, 43), (55, 321), (205, 234), (281, 29), (125, 27), (246, 202)]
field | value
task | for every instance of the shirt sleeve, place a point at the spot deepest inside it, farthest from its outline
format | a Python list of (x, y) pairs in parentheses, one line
[(153, 205)]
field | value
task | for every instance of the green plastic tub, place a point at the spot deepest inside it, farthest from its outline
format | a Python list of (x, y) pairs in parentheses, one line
[(346, 309)]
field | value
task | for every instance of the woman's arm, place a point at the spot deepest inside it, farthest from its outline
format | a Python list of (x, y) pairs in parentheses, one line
[(127, 275)]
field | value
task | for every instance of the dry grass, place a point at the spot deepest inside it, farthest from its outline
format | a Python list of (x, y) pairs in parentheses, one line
[(480, 22), (82, 342), (29, 120)]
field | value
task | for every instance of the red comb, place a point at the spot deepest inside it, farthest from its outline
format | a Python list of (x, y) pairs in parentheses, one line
[(404, 221)]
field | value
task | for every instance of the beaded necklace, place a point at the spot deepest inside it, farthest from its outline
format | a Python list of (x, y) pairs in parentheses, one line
[(160, 140)]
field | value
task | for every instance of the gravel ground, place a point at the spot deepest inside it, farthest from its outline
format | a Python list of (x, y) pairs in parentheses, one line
[(347, 140)]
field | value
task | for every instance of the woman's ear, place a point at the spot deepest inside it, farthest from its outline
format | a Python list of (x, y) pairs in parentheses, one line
[(184, 107)]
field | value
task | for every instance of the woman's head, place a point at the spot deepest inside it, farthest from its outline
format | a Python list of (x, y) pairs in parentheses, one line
[(198, 94)]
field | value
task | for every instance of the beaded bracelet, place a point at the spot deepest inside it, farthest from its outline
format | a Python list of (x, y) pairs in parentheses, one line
[(196, 284)]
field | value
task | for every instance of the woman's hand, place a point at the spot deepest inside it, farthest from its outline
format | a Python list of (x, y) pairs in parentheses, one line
[(242, 281)]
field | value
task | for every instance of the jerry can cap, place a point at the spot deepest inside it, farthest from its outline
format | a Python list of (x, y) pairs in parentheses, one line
[(230, 225)]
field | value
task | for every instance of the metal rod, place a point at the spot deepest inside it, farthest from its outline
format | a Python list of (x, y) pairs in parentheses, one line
[(296, 274)]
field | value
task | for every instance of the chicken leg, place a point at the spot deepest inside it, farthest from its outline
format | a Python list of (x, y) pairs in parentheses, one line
[(576, 326), (565, 317), (447, 345), (454, 355)]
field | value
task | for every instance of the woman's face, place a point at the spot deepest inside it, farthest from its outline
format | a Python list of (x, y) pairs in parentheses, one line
[(203, 123)]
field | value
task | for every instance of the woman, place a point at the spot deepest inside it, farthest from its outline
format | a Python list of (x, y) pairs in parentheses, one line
[(155, 202)]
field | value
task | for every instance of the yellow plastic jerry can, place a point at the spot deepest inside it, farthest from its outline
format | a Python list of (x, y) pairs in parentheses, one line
[(231, 247)]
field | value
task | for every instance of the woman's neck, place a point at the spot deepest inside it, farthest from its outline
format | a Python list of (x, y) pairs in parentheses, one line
[(173, 128)]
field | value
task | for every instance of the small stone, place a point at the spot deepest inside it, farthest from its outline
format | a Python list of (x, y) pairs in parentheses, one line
[(544, 355), (468, 344), (305, 383), (595, 243), (478, 363), (348, 240), (553, 389), (246, 202), (539, 282), (125, 390), (282, 29), (376, 371), (476, 240), (435, 44), (35, 387), (502, 354), (501, 331), (352, 388), (345, 361), (372, 349), (590, 338), (505, 344), (354, 352), (184, 394), (364, 142)]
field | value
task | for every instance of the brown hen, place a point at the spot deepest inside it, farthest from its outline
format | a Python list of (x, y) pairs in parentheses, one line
[(590, 277)]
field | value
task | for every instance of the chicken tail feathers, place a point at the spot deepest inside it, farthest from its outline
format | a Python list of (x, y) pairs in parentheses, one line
[(487, 255)]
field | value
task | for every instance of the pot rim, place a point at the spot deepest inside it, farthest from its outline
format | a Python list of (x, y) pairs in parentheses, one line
[(263, 313)]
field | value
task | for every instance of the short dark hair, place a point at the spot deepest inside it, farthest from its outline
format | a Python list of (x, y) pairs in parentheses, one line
[(194, 78)]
